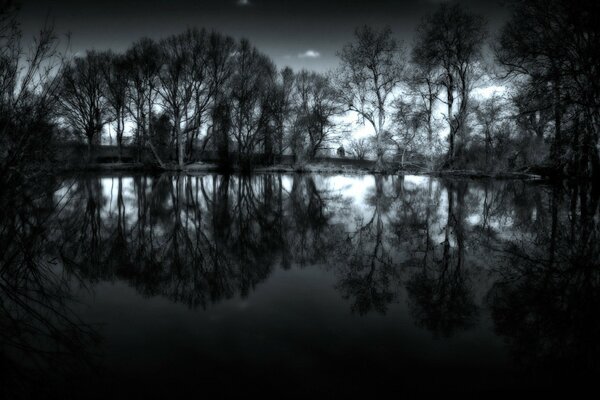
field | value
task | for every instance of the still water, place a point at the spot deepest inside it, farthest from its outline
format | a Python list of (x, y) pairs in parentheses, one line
[(160, 286)]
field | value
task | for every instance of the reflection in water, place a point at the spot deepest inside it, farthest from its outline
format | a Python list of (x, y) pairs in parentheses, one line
[(368, 275), (455, 253), (547, 302), (43, 342), (441, 299)]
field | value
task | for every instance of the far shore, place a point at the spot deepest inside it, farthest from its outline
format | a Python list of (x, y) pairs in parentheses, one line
[(321, 168)]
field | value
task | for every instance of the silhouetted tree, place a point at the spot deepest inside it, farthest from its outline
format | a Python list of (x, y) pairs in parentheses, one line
[(552, 45), (220, 63), (360, 148), (372, 66), (28, 84), (82, 99), (143, 62), (285, 93), (221, 131), (315, 105), (182, 79), (116, 85), (408, 134), (423, 83), (448, 47), (488, 114), (253, 76)]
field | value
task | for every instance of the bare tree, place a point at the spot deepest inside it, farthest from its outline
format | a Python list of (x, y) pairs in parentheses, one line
[(316, 105), (116, 84), (425, 88), (178, 83), (28, 84), (488, 114), (254, 74), (143, 62), (220, 63), (82, 102), (448, 45), (220, 60), (533, 110), (408, 135), (360, 148), (552, 48), (286, 90), (206, 80), (279, 110), (371, 68)]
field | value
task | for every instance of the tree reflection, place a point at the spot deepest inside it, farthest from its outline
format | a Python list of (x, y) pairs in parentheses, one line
[(368, 273), (525, 255), (547, 302), (195, 239), (310, 235), (42, 339), (440, 298)]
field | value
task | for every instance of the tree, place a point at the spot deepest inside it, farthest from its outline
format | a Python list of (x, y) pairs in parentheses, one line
[(488, 114), (81, 96), (448, 46), (143, 62), (28, 85), (220, 63), (285, 94), (423, 85), (179, 80), (423, 96), (116, 84), (278, 107), (204, 88), (408, 135), (315, 106), (371, 68), (221, 129), (360, 148), (253, 76), (552, 47), (533, 110)]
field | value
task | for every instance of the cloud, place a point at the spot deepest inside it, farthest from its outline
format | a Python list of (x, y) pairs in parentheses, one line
[(309, 54), (243, 3)]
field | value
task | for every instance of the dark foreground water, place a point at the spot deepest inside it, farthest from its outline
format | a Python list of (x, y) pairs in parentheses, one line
[(165, 286)]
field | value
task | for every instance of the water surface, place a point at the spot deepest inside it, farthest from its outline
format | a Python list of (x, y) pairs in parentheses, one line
[(299, 284)]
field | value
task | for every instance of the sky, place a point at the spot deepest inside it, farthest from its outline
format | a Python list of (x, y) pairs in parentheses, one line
[(297, 33)]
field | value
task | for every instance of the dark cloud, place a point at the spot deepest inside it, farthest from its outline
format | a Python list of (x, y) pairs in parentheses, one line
[(283, 29)]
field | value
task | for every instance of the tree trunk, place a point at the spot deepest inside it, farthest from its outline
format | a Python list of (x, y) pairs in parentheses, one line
[(280, 142), (89, 155), (120, 137), (450, 103), (160, 162), (403, 154), (180, 142), (557, 143), (380, 122)]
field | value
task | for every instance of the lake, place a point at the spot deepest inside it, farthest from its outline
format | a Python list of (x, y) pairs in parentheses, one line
[(131, 286)]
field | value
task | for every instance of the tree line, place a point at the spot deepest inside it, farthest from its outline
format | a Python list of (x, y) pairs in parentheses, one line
[(200, 90)]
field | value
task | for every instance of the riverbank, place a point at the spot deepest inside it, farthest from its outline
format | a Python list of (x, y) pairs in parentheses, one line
[(322, 168)]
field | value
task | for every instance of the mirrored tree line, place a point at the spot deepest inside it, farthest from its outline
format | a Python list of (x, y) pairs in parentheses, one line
[(451, 250)]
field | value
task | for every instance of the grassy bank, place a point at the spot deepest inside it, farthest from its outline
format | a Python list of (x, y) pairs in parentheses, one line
[(317, 167)]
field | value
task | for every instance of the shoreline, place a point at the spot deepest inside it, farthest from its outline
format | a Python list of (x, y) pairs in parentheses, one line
[(305, 169)]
